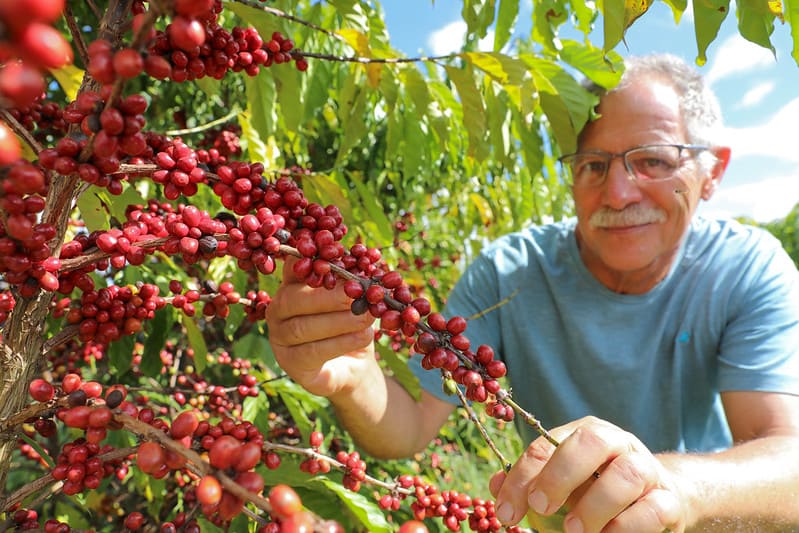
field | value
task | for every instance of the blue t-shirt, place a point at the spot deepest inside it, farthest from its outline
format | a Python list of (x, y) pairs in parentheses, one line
[(725, 318)]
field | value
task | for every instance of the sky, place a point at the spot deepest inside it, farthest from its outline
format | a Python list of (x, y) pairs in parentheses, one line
[(758, 92)]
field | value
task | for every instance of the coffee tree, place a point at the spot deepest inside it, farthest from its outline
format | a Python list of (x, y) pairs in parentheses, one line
[(162, 161)]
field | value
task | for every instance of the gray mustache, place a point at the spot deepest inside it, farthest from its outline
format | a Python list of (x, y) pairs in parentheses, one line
[(630, 216)]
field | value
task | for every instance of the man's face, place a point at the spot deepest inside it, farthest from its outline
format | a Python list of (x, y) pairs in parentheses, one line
[(631, 230)]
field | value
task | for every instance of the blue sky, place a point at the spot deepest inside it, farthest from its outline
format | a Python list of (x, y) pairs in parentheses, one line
[(758, 92)]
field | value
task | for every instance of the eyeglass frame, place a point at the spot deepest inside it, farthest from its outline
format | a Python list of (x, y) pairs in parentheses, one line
[(623, 155)]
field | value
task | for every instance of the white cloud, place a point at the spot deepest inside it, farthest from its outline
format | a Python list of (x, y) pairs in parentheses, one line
[(774, 138), (737, 55), (756, 94), (764, 200), (450, 39)]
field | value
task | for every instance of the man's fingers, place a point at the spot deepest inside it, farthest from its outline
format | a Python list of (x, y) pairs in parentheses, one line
[(624, 480), (512, 496), (579, 456), (312, 355), (657, 511), (311, 328), (298, 299)]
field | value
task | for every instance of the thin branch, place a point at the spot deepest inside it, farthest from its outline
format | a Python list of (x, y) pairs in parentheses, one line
[(370, 60), (20, 130), (206, 126), (77, 36), (506, 465), (282, 14)]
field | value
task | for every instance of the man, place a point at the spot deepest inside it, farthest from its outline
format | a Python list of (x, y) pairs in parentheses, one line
[(680, 335)]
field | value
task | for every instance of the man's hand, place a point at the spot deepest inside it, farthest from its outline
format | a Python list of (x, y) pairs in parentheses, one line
[(606, 478), (316, 338)]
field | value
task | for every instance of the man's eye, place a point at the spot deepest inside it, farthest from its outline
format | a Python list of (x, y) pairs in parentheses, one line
[(593, 167)]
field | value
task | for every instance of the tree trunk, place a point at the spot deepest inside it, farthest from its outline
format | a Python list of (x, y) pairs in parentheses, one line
[(23, 336)]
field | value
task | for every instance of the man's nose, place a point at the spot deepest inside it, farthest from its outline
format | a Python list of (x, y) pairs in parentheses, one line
[(621, 186)]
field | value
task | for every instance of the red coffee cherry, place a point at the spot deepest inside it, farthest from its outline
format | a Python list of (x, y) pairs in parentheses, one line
[(41, 391), (209, 491), (285, 501)]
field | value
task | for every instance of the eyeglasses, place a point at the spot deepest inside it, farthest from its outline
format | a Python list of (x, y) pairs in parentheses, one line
[(652, 162)]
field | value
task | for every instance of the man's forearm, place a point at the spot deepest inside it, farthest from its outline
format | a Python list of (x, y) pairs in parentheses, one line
[(753, 486), (383, 418)]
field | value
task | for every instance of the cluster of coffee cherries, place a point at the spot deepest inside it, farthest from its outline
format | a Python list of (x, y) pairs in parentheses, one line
[(30, 45), (25, 257)]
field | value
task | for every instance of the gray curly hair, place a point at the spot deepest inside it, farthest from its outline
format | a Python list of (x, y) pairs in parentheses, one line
[(699, 106)]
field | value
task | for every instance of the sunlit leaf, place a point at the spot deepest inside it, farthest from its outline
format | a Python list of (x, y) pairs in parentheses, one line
[(69, 77), (506, 20), (708, 16), (756, 22), (93, 205), (504, 69), (792, 16), (601, 67), (473, 110)]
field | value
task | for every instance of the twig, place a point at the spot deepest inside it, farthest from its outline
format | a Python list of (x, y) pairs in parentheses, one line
[(207, 125), (20, 130), (77, 36), (292, 18), (506, 465), (369, 60)]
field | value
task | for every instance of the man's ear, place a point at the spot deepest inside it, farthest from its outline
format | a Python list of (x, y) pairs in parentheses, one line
[(722, 154)]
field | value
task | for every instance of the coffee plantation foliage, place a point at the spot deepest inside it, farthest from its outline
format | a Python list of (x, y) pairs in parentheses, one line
[(160, 161)]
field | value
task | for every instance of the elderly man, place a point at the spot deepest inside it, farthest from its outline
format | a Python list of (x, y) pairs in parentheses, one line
[(664, 347)]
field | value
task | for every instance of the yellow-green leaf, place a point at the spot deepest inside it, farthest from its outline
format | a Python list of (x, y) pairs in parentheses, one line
[(473, 110), (69, 77), (792, 15), (357, 40), (504, 69), (196, 341), (614, 17)]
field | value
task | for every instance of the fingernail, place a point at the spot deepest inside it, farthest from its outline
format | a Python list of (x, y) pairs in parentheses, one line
[(572, 524), (505, 513), (538, 501)]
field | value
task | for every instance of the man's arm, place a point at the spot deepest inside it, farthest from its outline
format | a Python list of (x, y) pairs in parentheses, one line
[(754, 483), (329, 351)]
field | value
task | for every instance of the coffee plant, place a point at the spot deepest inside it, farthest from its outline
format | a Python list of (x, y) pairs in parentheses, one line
[(162, 161)]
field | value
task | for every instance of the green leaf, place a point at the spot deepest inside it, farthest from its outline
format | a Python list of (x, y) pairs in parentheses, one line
[(120, 354), (417, 89), (506, 20), (603, 68), (399, 368), (159, 328), (566, 104), (474, 119), (708, 16), (352, 124), (377, 219), (38, 447), (255, 409), (252, 141), (755, 22), (548, 15), (255, 343), (94, 206), (613, 15), (289, 90), (478, 15), (210, 86), (677, 8), (119, 204), (366, 510), (261, 94), (196, 341), (792, 16)]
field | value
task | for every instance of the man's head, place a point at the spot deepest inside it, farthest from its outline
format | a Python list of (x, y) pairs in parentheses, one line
[(643, 167)]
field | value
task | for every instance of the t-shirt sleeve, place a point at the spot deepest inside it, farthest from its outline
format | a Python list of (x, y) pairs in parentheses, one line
[(759, 348), (473, 296)]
